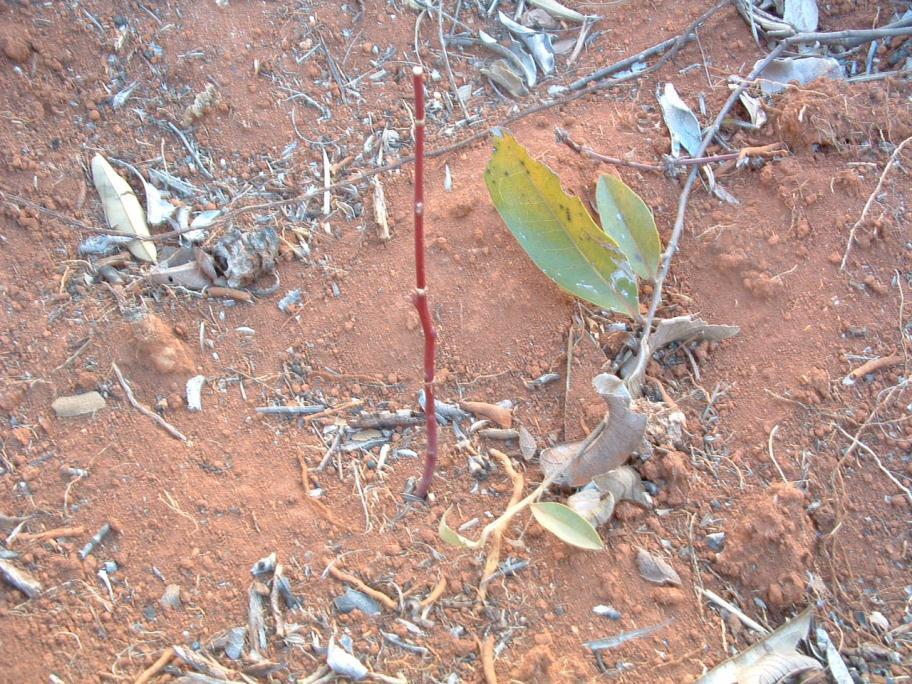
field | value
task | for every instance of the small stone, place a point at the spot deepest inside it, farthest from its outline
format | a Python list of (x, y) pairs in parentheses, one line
[(609, 612), (78, 404), (716, 541), (171, 598)]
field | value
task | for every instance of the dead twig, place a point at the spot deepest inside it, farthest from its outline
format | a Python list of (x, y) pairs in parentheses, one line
[(361, 586), (872, 366), (171, 430), (435, 594), (146, 675), (905, 490), (772, 454), (867, 207), (52, 534), (487, 660), (760, 151), (493, 558)]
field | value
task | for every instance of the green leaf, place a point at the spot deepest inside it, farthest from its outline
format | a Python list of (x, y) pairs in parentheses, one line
[(567, 525), (627, 219), (451, 536), (556, 230)]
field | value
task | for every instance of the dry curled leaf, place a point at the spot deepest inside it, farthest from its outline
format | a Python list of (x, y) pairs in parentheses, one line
[(774, 668), (654, 569), (618, 436), (596, 501), (678, 329), (783, 641), (122, 210)]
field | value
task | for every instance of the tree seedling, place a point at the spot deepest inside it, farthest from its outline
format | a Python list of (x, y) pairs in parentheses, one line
[(419, 296), (599, 264)]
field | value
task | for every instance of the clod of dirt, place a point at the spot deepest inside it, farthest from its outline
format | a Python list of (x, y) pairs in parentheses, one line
[(156, 342), (836, 114), (537, 665), (243, 258), (770, 547), (202, 103), (16, 46)]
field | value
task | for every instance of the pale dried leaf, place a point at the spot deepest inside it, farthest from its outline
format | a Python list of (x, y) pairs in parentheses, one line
[(188, 275), (204, 219), (838, 670), (122, 210), (592, 505), (754, 109), (656, 570), (689, 328), (774, 667), (558, 10), (503, 76), (801, 70), (667, 331), (158, 209), (802, 14), (527, 443), (681, 121), (783, 641), (622, 434), (344, 663), (624, 484)]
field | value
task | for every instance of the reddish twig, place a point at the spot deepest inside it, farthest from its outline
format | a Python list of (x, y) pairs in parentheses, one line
[(419, 297)]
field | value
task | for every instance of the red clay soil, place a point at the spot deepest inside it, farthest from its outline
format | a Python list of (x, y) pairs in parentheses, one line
[(807, 476)]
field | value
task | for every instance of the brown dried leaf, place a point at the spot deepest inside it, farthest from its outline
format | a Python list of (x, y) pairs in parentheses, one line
[(621, 435), (669, 330), (654, 569)]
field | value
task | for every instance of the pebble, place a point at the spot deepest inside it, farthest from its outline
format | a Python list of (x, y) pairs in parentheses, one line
[(78, 404), (171, 598)]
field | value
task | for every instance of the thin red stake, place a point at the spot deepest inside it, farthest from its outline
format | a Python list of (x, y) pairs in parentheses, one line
[(419, 296)]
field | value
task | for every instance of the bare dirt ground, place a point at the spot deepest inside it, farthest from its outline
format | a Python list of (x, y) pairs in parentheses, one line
[(807, 477)]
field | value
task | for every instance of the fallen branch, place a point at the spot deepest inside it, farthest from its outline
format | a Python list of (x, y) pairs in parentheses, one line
[(771, 150), (173, 431), (672, 44), (634, 380)]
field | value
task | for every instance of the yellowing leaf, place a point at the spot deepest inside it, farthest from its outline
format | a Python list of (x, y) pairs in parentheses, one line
[(567, 525), (451, 536), (627, 219), (122, 210), (556, 231)]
